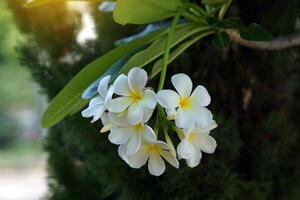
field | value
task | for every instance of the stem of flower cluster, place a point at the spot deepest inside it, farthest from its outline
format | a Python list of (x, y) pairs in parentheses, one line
[(224, 9), (165, 63), (167, 50)]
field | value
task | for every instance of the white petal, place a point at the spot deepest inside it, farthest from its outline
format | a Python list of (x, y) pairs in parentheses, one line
[(108, 98), (186, 150), (94, 111), (193, 162), (121, 86), (138, 159), (168, 99), (122, 152), (135, 114), (170, 158), (184, 119), (202, 116), (171, 114), (103, 86), (188, 131), (156, 165), (200, 97), (163, 145), (105, 119), (207, 129), (107, 6), (149, 134), (119, 119), (149, 100), (119, 135), (206, 143), (147, 113), (137, 79), (96, 101), (98, 113), (183, 84), (134, 144), (119, 104)]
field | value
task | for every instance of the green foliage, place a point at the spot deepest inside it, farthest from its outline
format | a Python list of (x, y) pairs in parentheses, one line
[(220, 40), (256, 32), (156, 49), (70, 97), (213, 2), (177, 52), (144, 11)]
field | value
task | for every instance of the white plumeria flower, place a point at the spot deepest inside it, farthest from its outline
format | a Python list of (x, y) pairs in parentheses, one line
[(133, 94), (152, 151), (185, 107), (196, 140), (107, 6), (98, 105), (123, 132)]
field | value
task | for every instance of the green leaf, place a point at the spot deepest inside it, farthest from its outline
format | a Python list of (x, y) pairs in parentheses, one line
[(234, 23), (220, 40), (144, 11), (177, 52), (256, 32), (156, 49), (69, 99), (213, 2)]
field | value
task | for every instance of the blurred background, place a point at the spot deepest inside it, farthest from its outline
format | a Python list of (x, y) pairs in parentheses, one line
[(22, 161), (255, 100)]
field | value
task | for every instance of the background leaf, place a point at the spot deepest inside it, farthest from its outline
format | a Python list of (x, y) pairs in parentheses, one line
[(157, 48), (177, 52), (213, 2), (220, 40), (256, 32), (144, 11), (70, 97), (234, 23)]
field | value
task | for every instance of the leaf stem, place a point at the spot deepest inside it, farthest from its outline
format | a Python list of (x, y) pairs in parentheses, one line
[(224, 9), (167, 50)]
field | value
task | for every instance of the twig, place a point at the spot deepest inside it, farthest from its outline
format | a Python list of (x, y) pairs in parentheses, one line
[(276, 44)]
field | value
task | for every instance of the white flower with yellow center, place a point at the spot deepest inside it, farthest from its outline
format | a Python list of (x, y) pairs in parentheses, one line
[(134, 95), (122, 132), (196, 140), (185, 107), (98, 105), (152, 151)]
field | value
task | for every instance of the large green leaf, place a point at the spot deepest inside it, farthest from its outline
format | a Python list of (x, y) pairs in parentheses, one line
[(177, 52), (144, 11), (69, 99), (156, 49)]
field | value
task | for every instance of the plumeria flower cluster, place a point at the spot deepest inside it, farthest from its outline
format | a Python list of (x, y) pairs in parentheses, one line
[(126, 106)]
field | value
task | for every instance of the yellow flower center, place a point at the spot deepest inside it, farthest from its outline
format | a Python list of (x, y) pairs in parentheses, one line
[(184, 103), (139, 127), (153, 148), (136, 96), (192, 137)]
